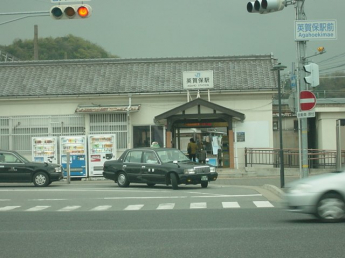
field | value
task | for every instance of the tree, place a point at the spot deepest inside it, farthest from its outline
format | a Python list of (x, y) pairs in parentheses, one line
[(331, 86), (68, 47)]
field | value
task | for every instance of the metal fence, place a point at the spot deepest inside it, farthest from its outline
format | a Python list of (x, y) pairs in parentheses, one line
[(267, 156), (16, 132)]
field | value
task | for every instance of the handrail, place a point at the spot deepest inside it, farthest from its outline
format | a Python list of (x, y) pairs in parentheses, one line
[(317, 158)]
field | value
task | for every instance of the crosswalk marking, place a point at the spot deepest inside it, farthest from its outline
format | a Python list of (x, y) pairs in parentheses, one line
[(198, 205), (134, 207), (166, 206), (263, 204), (161, 206), (38, 208), (8, 208), (101, 208), (230, 205), (69, 208)]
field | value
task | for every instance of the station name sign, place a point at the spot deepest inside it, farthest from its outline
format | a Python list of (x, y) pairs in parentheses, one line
[(315, 30), (194, 80)]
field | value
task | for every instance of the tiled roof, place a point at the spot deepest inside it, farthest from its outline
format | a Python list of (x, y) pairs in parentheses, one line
[(118, 76)]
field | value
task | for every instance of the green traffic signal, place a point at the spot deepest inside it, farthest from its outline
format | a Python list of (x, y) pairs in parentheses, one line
[(56, 12)]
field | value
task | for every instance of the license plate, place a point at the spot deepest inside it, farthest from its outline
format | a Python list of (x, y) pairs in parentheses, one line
[(204, 178)]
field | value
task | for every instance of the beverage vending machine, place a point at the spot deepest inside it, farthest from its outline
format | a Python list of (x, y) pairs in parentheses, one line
[(76, 146), (44, 149), (102, 147)]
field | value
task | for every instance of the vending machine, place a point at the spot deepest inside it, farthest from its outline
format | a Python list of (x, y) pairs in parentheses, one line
[(44, 149), (102, 147), (76, 146)]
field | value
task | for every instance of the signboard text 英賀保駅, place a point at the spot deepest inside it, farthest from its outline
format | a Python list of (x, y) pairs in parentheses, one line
[(197, 80)]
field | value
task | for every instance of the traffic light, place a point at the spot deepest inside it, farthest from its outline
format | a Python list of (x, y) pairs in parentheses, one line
[(265, 6), (76, 11), (313, 77)]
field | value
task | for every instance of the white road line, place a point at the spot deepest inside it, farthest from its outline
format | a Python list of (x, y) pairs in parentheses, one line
[(134, 207), (8, 208), (230, 205), (198, 205), (38, 208), (166, 206), (144, 197), (227, 195), (101, 208), (179, 197), (47, 199), (69, 208), (263, 204), (4, 200)]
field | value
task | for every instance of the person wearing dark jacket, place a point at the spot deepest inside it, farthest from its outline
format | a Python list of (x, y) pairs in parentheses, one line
[(191, 149)]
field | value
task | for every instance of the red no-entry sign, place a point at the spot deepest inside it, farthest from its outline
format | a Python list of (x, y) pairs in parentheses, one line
[(307, 100)]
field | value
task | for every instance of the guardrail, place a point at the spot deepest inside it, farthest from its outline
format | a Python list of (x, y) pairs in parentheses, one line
[(268, 156)]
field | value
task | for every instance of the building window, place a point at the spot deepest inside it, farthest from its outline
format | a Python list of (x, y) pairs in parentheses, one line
[(110, 124), (143, 136), (17, 131), (275, 126)]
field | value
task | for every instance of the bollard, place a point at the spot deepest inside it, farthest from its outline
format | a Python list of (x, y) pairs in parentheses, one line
[(68, 168)]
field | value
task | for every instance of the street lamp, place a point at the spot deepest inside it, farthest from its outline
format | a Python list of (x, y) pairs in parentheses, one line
[(278, 68)]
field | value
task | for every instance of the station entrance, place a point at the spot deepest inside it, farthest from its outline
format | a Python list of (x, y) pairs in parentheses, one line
[(209, 124)]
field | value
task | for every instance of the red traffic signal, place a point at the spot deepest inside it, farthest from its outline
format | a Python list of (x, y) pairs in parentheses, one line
[(76, 11)]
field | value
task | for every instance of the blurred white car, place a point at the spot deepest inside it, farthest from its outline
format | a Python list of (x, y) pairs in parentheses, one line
[(321, 195)]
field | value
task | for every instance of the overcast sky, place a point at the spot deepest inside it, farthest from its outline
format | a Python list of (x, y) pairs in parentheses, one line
[(183, 28)]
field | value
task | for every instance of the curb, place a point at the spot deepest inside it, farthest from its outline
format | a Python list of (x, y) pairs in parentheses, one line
[(277, 191)]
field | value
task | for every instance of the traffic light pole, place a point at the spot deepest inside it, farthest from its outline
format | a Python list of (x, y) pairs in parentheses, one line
[(268, 6), (29, 14), (303, 125)]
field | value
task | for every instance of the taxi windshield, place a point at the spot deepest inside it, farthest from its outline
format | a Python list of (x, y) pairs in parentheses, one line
[(167, 156)]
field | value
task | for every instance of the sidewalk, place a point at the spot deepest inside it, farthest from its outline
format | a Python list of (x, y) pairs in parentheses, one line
[(268, 178)]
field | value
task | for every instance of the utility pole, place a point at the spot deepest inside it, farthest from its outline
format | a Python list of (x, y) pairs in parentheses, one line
[(36, 42)]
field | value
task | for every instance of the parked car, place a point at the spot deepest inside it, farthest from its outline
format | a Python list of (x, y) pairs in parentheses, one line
[(153, 166), (15, 168), (321, 195)]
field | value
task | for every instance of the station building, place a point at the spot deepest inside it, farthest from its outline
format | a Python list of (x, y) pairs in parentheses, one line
[(223, 102)]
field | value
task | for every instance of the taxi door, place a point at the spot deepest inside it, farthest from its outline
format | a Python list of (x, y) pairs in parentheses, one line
[(151, 169)]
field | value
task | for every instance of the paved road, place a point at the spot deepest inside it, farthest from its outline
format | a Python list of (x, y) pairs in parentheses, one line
[(100, 219), (247, 233), (106, 196), (256, 181)]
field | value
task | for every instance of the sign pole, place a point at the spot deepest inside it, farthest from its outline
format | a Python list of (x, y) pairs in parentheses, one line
[(278, 68), (303, 129)]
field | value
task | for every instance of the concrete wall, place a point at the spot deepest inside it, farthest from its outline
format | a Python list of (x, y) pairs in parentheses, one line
[(257, 108), (326, 127)]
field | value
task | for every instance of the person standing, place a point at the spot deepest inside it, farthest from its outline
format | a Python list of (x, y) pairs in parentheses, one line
[(191, 149)]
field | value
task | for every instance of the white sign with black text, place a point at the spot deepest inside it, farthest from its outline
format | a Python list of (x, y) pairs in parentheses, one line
[(197, 80), (305, 114)]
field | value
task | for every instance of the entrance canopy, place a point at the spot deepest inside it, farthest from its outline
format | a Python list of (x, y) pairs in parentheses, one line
[(198, 113)]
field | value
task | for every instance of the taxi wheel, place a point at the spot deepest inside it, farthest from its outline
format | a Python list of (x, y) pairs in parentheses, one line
[(122, 180), (173, 181), (204, 184), (331, 208), (41, 179)]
